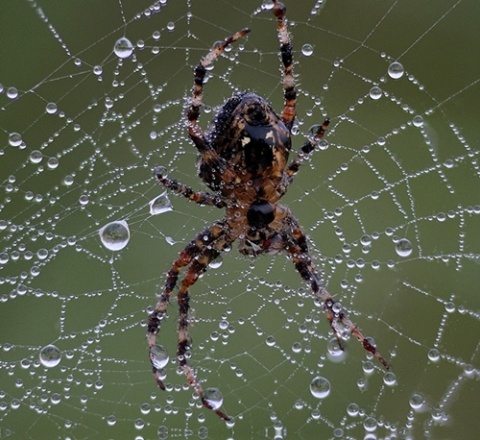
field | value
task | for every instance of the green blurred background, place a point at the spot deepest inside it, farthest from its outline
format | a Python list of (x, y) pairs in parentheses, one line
[(419, 183)]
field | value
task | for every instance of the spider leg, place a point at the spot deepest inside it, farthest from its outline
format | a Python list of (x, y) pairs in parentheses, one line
[(205, 247), (194, 248), (318, 132), (335, 313), (202, 198), (195, 132), (286, 51), (198, 266)]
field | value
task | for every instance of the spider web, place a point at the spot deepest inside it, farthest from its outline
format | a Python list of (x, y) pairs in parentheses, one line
[(391, 208)]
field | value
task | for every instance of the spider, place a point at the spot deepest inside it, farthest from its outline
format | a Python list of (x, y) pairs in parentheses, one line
[(243, 160)]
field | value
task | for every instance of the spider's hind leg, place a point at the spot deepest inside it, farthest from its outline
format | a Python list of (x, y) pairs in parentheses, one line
[(335, 313), (205, 247)]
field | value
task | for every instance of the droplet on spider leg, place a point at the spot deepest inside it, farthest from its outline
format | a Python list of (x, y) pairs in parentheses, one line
[(115, 235), (320, 387), (216, 262), (213, 397), (160, 204), (335, 351), (160, 171), (341, 330), (159, 356)]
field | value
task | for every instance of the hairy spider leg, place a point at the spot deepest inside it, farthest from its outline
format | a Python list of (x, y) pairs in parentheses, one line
[(286, 51), (192, 250), (307, 148), (195, 132), (200, 197), (198, 266), (335, 313)]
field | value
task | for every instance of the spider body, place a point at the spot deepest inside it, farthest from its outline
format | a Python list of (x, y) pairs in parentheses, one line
[(243, 159)]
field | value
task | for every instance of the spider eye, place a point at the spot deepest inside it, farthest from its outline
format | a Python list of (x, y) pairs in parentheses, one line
[(260, 214)]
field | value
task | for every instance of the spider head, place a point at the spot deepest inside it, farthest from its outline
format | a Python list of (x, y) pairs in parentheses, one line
[(250, 136)]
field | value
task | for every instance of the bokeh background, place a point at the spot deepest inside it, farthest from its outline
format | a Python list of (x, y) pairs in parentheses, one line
[(391, 208)]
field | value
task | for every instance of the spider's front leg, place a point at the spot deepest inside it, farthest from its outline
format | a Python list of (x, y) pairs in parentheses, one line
[(336, 315), (286, 52), (200, 197), (193, 113), (317, 133)]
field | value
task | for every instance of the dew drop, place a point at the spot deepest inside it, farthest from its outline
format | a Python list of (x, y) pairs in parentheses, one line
[(97, 70), (433, 355), (52, 163), (15, 139), (123, 48), (216, 263), (160, 171), (160, 204), (375, 92), (12, 93), (68, 180), (270, 341), (390, 379), (115, 235), (335, 352), (307, 50), (36, 156), (416, 401), (370, 424), (50, 356), (51, 108), (417, 121), (320, 387), (403, 248), (213, 397), (159, 356), (395, 70), (353, 409)]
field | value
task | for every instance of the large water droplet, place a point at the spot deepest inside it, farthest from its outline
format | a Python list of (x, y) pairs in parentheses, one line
[(395, 70), (307, 50), (160, 204), (50, 356), (115, 235), (375, 92), (216, 263), (36, 156), (15, 139), (159, 356), (320, 387), (418, 121), (213, 397), (416, 401), (403, 247), (123, 48), (51, 108)]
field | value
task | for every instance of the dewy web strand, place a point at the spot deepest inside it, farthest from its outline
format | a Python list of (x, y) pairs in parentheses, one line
[(388, 201)]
